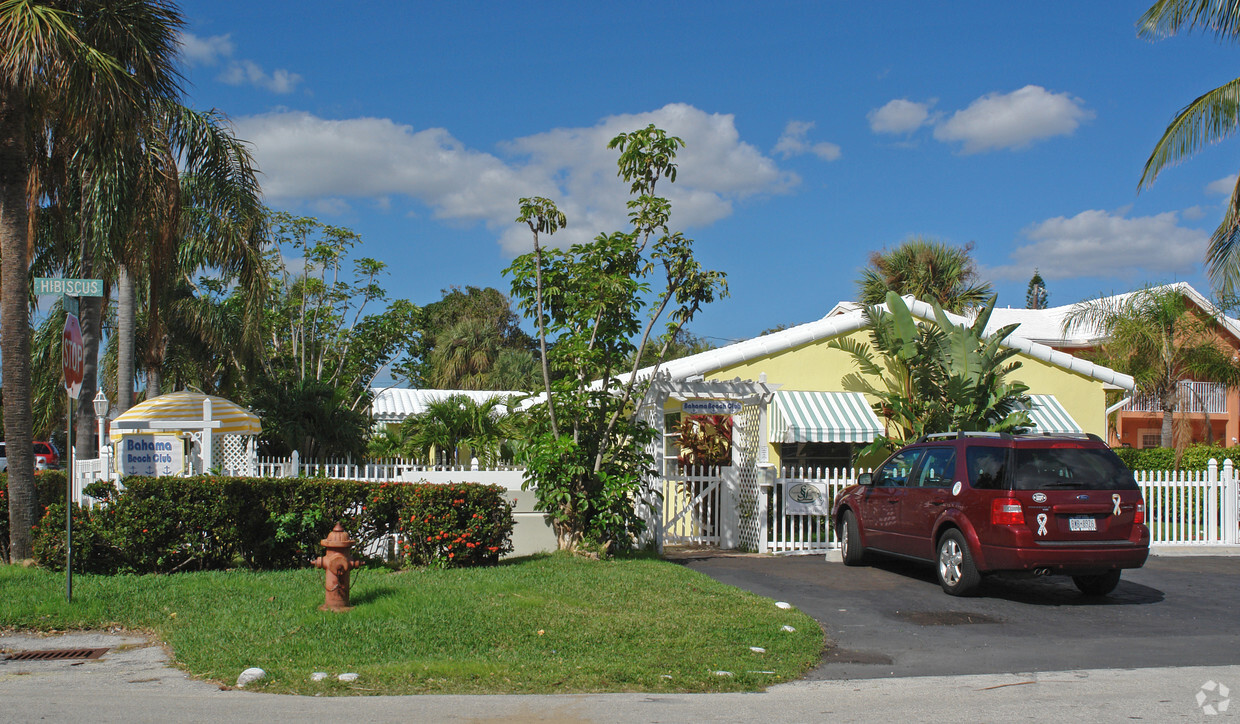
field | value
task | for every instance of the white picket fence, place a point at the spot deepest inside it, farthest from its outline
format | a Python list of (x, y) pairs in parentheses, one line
[(392, 470)]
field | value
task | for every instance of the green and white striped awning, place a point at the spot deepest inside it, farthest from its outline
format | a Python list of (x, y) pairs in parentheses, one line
[(822, 417), (1049, 416)]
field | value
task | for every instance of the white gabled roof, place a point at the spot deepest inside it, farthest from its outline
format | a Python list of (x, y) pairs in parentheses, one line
[(845, 320), (1046, 325), (393, 404)]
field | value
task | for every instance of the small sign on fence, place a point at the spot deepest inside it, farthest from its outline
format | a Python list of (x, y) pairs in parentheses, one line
[(805, 499), (711, 407), (151, 455)]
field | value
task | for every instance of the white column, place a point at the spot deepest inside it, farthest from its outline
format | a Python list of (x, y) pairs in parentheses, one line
[(208, 436), (1231, 504)]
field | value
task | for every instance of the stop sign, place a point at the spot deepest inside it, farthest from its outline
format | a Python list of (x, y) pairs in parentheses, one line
[(72, 359)]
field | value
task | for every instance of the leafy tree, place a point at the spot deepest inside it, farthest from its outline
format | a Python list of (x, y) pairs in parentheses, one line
[(1209, 118), (682, 344), (465, 335), (1036, 295), (927, 269), (70, 74), (323, 349), (601, 303), (936, 376), (1156, 335)]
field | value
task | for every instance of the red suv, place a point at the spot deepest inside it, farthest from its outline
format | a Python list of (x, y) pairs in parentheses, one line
[(979, 503)]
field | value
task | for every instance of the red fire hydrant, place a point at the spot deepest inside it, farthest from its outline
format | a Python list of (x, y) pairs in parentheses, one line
[(337, 563)]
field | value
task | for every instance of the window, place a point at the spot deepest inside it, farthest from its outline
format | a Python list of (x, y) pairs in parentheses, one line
[(1071, 469), (815, 455), (987, 467), (894, 473), (1150, 438), (938, 468)]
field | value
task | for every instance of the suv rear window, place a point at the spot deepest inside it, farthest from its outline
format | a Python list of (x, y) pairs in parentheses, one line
[(1070, 468), (987, 467)]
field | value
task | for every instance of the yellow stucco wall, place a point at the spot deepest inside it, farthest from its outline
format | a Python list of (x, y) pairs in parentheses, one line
[(816, 366)]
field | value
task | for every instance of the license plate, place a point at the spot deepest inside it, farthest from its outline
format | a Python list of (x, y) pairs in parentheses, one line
[(1082, 522)]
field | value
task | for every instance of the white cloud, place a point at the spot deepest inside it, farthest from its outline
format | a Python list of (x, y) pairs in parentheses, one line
[(205, 51), (1013, 120), (792, 143), (219, 49), (899, 116), (307, 158), (1103, 244), (1224, 186), (1194, 213)]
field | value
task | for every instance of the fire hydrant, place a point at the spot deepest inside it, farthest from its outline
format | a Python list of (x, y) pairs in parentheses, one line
[(337, 563)]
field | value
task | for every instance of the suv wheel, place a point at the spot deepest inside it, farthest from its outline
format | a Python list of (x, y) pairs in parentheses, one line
[(851, 549), (1098, 585), (957, 574)]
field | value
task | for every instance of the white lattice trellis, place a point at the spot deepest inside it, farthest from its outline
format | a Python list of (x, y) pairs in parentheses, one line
[(746, 442)]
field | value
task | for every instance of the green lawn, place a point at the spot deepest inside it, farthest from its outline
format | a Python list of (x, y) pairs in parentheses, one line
[(543, 624)]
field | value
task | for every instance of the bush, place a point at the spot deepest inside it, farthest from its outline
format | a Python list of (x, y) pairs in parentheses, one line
[(163, 525), (49, 489), (1196, 457)]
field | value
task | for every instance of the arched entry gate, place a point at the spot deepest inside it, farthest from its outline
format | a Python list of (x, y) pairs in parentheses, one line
[(717, 506)]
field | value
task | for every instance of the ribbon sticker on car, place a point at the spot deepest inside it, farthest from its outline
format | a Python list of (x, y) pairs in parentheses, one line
[(1115, 499), (1041, 523)]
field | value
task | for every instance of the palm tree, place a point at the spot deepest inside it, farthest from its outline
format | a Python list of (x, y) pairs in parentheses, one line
[(464, 355), (456, 422), (58, 76), (1158, 337), (1209, 118), (927, 269)]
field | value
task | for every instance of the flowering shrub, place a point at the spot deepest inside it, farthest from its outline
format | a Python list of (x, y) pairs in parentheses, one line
[(211, 523), (461, 524)]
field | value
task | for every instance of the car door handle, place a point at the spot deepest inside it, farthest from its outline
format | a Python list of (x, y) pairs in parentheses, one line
[(893, 501), (937, 502)]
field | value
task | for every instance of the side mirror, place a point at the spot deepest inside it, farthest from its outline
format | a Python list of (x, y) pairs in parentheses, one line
[(865, 479)]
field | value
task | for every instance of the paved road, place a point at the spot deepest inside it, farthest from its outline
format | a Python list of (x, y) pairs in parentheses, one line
[(892, 619)]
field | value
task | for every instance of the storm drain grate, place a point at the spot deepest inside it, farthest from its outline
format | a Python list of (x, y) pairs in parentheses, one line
[(55, 654)]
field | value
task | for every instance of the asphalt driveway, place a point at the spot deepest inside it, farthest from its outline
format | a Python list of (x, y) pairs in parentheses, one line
[(892, 619)]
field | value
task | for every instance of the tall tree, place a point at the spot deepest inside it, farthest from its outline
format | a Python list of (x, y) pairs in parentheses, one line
[(1209, 118), (927, 269), (601, 302), (1036, 295), (77, 69), (1156, 335)]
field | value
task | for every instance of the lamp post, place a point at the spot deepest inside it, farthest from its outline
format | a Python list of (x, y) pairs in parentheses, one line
[(101, 413)]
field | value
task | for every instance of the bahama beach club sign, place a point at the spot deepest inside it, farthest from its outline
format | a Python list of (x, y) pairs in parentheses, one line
[(152, 455)]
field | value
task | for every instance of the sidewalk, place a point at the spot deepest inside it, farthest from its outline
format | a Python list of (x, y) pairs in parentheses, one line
[(133, 683)]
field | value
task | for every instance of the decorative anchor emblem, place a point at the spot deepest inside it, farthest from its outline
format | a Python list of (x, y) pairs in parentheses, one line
[(1115, 499), (1041, 523)]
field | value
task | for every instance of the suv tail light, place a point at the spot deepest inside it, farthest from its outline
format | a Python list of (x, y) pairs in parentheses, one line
[(1006, 511), (1138, 516)]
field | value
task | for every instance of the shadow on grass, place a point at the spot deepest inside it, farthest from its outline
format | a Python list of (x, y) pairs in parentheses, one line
[(370, 594)]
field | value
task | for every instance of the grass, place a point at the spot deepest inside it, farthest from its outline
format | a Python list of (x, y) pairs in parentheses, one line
[(546, 624)]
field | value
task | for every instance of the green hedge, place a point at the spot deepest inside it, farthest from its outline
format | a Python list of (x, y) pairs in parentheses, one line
[(1196, 457), (163, 525), (50, 489)]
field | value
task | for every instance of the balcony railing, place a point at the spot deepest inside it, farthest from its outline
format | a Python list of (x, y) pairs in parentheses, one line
[(1208, 397)]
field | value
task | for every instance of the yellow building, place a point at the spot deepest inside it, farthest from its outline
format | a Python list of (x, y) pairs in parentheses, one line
[(808, 418)]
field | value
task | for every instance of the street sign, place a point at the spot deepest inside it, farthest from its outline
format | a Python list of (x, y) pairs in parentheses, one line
[(72, 358), (70, 304), (72, 287)]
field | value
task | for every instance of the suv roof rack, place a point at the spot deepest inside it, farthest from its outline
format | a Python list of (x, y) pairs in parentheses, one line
[(960, 434)]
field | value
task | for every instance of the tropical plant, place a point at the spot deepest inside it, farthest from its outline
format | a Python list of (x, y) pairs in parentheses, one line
[(458, 423), (73, 76), (599, 303), (1211, 117), (465, 336), (935, 376), (1159, 337), (705, 440), (929, 270)]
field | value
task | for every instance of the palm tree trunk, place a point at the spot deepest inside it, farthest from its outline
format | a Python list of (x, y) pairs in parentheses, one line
[(1166, 440), (125, 314), (91, 318), (15, 321)]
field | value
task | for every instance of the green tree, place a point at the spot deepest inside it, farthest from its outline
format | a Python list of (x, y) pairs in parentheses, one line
[(465, 335), (1156, 335), (58, 79), (935, 376), (927, 269), (1036, 295), (601, 303), (457, 423), (1211, 117)]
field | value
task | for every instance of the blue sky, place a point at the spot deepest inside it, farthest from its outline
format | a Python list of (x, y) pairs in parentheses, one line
[(816, 133)]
